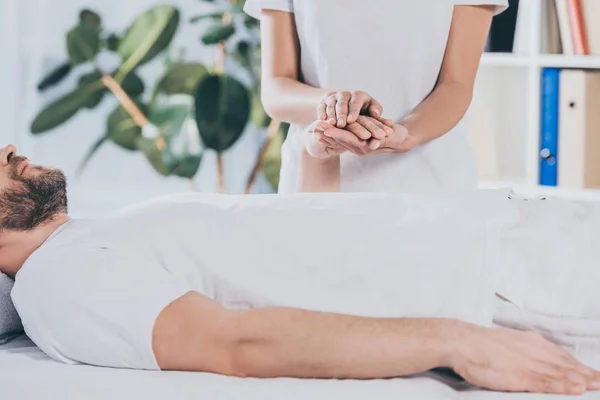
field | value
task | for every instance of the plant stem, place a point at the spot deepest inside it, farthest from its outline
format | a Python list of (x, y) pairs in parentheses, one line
[(128, 104), (220, 61), (219, 69), (272, 131), (221, 180), (194, 185)]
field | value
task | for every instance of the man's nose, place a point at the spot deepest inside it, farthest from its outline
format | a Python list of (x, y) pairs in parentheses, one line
[(7, 152)]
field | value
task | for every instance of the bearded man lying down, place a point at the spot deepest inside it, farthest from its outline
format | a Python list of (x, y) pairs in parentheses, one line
[(307, 286)]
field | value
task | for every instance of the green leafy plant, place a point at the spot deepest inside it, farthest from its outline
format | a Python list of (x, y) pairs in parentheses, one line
[(192, 106), (236, 37)]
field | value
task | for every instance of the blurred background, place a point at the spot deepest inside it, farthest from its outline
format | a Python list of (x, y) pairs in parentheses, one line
[(57, 108), (138, 98)]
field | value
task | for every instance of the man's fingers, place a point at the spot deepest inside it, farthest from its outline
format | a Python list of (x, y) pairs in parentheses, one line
[(375, 130), (387, 129), (387, 125), (594, 381), (360, 130), (552, 385), (326, 140), (341, 109), (387, 122), (348, 140), (322, 138)]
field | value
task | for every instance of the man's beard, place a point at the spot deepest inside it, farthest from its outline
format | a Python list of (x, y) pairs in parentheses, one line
[(32, 201)]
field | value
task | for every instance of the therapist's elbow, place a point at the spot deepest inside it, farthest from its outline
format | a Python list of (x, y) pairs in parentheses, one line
[(462, 92), (271, 94), (270, 104)]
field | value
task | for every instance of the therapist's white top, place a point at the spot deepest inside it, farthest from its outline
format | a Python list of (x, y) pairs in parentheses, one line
[(393, 50)]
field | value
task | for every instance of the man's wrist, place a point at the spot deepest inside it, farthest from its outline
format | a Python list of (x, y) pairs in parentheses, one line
[(453, 335), (319, 161)]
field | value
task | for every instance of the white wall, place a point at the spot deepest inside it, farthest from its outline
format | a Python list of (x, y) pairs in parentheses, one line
[(31, 42)]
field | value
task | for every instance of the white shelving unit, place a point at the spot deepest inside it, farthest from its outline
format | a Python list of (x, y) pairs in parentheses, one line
[(507, 92)]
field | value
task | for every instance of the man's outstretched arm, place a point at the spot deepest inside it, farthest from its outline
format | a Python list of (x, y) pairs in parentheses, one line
[(318, 174), (195, 333)]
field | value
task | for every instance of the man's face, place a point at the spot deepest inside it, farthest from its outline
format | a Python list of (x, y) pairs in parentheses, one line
[(30, 195)]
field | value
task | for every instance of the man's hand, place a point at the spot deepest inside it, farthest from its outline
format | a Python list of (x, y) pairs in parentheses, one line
[(317, 144), (344, 107), (513, 361)]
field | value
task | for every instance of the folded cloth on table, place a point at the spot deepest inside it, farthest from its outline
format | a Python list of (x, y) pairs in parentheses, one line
[(549, 258), (549, 273), (580, 336)]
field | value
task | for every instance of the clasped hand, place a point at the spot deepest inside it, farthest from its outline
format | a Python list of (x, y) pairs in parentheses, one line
[(353, 122)]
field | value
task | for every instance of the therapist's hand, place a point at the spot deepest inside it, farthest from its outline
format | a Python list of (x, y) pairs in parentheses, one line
[(399, 141), (344, 107)]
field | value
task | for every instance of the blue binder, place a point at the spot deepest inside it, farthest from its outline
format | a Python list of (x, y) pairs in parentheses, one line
[(549, 114)]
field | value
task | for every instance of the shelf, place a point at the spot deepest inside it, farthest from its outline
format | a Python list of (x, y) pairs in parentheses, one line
[(504, 60), (535, 190), (563, 61), (541, 60)]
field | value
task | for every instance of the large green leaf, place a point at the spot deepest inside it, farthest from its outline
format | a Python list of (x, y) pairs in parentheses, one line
[(112, 42), (91, 19), (251, 22), (171, 142), (121, 127), (214, 15), (58, 112), (154, 155), (96, 96), (181, 79), (83, 43), (55, 76), (133, 85), (242, 53), (222, 111), (218, 33), (62, 109), (148, 36)]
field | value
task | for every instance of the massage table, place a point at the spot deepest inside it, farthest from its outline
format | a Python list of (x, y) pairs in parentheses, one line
[(27, 373)]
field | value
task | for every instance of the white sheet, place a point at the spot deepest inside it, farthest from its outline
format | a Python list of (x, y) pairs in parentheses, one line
[(26, 373)]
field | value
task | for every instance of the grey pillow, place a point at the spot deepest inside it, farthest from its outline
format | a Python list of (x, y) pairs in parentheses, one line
[(10, 323)]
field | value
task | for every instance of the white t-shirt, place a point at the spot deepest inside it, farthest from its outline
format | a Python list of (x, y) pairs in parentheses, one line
[(92, 292), (392, 50)]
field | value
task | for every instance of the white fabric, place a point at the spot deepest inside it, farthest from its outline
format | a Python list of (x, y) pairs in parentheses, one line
[(549, 259), (27, 373), (92, 292), (392, 50)]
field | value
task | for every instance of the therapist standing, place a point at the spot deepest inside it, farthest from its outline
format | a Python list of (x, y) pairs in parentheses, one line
[(378, 89)]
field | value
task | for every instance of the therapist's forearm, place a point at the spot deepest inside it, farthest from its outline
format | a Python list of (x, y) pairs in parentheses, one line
[(288, 100), (283, 342), (318, 175), (439, 112)]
